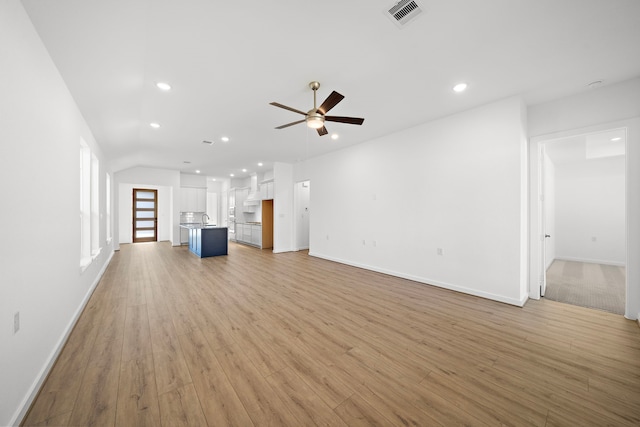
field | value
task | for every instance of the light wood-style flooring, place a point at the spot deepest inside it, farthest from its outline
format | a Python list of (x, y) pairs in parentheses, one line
[(254, 338)]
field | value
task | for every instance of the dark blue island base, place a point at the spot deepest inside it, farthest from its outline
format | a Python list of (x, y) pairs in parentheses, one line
[(208, 241)]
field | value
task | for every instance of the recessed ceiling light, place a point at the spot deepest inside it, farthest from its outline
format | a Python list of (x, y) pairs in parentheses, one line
[(186, 162), (213, 179), (244, 170), (616, 139), (225, 139), (335, 136), (260, 164), (197, 170), (163, 86), (460, 87), (154, 125), (231, 174), (207, 142)]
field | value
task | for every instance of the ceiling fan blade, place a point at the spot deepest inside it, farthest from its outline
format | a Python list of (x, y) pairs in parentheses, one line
[(290, 124), (275, 104), (340, 119), (331, 101), (322, 131)]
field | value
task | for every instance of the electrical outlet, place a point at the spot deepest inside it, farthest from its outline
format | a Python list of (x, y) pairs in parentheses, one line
[(440, 251), (16, 322)]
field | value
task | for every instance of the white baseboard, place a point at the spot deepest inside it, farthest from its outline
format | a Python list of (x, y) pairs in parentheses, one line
[(44, 372), (462, 289), (281, 250)]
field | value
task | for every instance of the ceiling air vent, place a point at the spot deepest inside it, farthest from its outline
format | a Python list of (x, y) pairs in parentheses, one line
[(403, 12)]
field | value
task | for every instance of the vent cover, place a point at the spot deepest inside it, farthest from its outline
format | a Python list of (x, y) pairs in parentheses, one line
[(403, 12)]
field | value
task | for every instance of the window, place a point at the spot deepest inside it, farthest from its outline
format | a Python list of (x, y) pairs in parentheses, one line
[(108, 207), (95, 206), (85, 205), (89, 206)]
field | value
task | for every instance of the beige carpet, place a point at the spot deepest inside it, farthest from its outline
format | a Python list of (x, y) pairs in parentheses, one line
[(587, 285)]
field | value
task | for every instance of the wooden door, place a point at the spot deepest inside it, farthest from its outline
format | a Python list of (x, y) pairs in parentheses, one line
[(145, 215)]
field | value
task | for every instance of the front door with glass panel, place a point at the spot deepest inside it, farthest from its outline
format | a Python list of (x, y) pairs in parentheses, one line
[(145, 215)]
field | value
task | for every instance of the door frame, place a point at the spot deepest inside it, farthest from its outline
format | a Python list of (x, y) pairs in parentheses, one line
[(537, 263), (135, 239)]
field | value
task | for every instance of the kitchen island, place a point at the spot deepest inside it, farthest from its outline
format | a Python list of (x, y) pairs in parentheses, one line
[(207, 240)]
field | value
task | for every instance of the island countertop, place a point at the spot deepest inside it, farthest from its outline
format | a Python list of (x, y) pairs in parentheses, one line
[(198, 226)]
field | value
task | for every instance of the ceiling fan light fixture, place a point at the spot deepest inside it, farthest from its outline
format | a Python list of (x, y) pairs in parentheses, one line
[(315, 120)]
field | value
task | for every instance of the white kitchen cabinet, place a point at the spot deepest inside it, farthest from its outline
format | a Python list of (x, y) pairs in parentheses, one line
[(250, 234), (241, 196), (193, 199), (239, 232), (266, 190), (201, 199), (184, 200), (256, 235), (232, 198), (246, 233)]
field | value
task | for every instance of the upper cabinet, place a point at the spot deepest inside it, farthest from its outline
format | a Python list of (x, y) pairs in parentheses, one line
[(266, 190), (193, 199)]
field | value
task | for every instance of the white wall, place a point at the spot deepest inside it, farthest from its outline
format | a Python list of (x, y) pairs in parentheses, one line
[(610, 106), (140, 177), (590, 204), (283, 235), (125, 212), (191, 180), (40, 276), (454, 183)]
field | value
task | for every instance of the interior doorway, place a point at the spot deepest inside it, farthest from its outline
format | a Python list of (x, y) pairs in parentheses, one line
[(145, 215), (303, 214), (583, 219)]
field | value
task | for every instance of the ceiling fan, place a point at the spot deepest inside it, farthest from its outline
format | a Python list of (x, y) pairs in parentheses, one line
[(316, 117)]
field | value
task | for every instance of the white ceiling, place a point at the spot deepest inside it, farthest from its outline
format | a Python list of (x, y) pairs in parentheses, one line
[(226, 60)]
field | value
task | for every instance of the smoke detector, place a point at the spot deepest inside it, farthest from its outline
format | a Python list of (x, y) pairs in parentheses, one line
[(404, 12)]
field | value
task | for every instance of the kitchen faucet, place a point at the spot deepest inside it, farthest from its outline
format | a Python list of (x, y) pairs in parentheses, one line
[(203, 220)]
